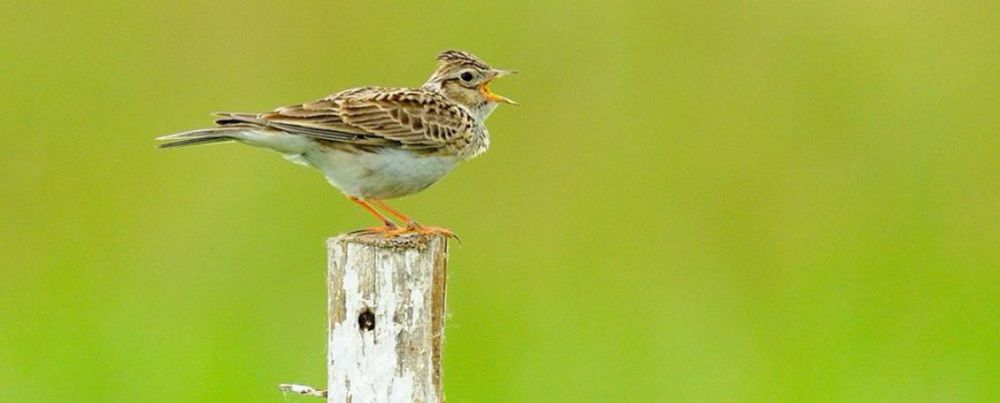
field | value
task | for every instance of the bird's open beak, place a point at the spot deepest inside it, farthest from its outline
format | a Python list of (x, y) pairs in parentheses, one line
[(492, 97)]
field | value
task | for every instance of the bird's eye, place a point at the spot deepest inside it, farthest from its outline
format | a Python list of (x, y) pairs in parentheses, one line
[(466, 76)]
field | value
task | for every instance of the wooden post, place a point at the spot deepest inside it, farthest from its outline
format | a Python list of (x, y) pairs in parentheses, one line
[(386, 309)]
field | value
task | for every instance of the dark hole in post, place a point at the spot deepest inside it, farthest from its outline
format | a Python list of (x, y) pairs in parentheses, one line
[(366, 321)]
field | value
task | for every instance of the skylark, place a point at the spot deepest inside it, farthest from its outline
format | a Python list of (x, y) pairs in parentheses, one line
[(377, 143)]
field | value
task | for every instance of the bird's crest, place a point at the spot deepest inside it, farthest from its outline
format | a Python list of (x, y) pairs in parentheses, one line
[(453, 56)]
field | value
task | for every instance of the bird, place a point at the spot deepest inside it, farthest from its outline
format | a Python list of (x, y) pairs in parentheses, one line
[(377, 143)]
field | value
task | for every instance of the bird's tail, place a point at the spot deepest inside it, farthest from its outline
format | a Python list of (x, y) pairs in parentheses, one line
[(201, 136), (244, 128)]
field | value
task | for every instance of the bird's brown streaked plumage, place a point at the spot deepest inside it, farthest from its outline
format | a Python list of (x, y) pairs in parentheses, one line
[(416, 119), (376, 143)]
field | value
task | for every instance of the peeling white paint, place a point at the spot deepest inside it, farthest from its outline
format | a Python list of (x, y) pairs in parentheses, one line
[(394, 279)]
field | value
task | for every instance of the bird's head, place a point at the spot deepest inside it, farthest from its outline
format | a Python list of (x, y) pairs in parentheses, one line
[(465, 79)]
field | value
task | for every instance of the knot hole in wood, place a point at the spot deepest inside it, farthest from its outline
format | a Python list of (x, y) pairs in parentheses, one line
[(366, 320)]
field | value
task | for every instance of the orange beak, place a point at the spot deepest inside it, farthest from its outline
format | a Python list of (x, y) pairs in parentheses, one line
[(490, 95)]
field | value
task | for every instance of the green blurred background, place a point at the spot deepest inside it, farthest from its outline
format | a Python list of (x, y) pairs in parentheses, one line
[(736, 201)]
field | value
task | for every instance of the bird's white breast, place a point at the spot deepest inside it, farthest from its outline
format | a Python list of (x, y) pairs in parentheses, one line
[(385, 174)]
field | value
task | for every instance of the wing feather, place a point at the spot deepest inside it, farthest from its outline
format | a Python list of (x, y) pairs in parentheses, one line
[(412, 118)]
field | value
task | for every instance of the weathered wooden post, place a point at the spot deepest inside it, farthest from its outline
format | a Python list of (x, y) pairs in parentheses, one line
[(386, 319)]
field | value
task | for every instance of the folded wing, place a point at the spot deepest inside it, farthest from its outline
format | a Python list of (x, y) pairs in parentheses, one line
[(372, 116)]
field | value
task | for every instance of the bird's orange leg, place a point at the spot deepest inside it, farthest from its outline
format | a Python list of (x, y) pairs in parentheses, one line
[(394, 212), (387, 224), (411, 224)]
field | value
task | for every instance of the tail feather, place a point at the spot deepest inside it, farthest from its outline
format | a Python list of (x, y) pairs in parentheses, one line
[(194, 142), (201, 136), (246, 133), (236, 118)]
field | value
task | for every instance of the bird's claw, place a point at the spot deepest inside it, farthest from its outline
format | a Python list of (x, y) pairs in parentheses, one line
[(415, 228), (376, 230), (391, 231)]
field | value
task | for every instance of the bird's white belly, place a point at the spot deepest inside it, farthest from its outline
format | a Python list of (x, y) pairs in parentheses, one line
[(386, 174)]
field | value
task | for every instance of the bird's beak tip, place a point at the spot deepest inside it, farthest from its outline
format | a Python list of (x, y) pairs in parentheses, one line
[(500, 72), (497, 73)]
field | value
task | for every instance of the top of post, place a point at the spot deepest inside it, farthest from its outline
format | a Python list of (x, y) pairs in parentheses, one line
[(402, 241)]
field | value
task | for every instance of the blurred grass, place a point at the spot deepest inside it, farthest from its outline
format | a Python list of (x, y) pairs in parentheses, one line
[(745, 201)]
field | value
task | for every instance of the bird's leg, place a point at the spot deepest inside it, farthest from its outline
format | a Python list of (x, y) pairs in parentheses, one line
[(387, 224), (411, 224), (394, 212)]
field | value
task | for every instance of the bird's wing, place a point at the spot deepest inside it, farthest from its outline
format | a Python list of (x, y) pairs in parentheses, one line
[(411, 118)]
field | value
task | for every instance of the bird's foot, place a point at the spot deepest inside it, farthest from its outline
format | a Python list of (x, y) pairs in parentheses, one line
[(414, 228), (389, 227), (430, 230), (417, 228)]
